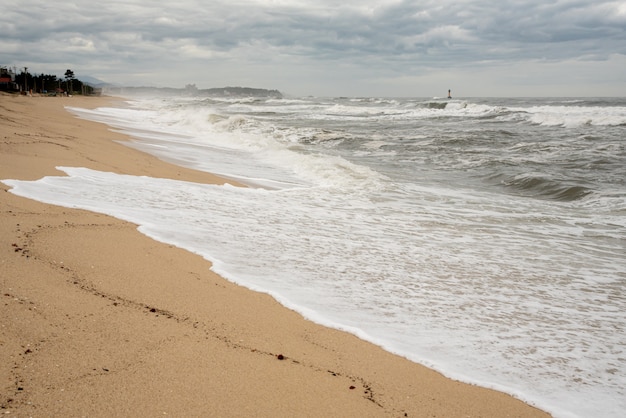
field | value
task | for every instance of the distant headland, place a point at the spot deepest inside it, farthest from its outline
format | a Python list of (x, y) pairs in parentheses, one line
[(192, 90)]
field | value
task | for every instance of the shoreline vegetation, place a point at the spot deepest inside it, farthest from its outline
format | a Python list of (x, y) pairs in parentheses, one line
[(100, 320), (49, 84), (46, 84)]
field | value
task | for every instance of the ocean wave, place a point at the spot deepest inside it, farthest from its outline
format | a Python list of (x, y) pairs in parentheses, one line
[(574, 116), (436, 105), (536, 185), (319, 136)]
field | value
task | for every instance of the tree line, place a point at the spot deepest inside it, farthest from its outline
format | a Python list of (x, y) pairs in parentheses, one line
[(49, 83)]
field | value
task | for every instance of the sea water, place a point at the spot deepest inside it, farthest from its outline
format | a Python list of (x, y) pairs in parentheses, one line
[(485, 238)]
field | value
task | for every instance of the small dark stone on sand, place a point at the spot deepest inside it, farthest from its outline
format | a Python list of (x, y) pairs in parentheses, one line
[(280, 357), (352, 387)]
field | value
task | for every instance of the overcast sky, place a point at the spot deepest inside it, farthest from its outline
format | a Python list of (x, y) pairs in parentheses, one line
[(328, 48)]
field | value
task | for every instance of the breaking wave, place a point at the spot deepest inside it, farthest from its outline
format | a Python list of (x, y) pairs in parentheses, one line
[(539, 186)]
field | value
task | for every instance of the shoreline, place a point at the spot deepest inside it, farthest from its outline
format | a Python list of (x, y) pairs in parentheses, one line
[(101, 320)]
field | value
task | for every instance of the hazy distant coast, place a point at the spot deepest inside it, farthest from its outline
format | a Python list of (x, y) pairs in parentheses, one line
[(191, 90)]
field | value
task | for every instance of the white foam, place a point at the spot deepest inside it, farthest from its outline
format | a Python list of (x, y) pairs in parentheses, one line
[(575, 116), (227, 148)]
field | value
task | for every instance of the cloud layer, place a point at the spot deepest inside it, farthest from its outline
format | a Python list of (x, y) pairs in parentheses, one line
[(382, 47)]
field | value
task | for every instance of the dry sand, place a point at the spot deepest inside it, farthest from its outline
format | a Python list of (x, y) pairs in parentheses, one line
[(98, 320)]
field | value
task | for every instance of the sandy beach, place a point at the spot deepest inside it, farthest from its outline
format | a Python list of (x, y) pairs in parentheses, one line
[(99, 320)]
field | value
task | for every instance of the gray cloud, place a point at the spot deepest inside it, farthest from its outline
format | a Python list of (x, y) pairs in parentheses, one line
[(358, 47)]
